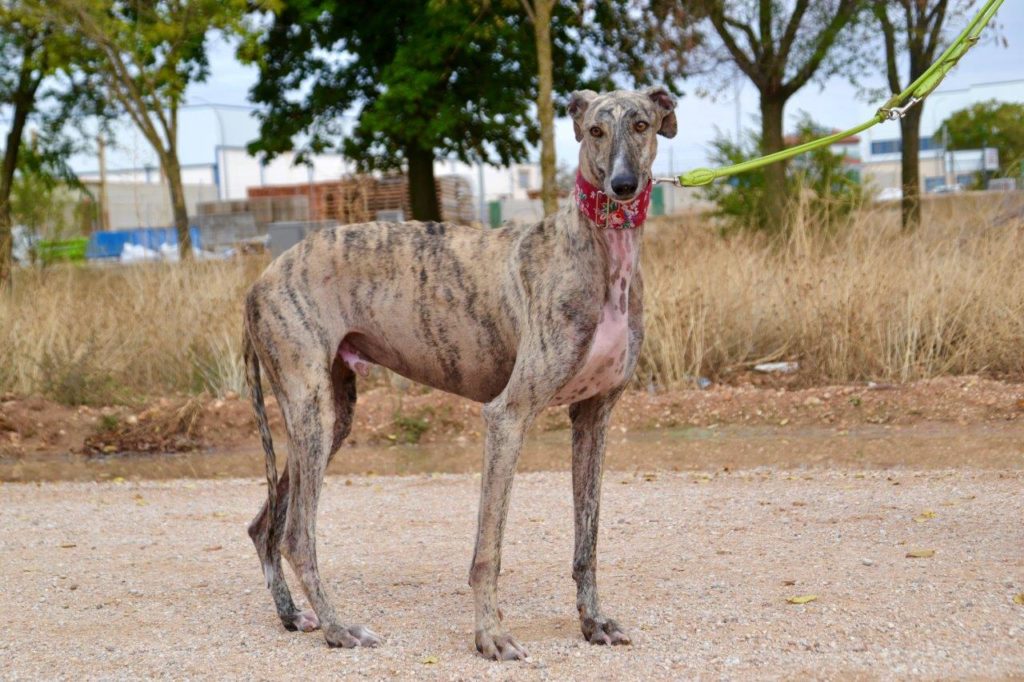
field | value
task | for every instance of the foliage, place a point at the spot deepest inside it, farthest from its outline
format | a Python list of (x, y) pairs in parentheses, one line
[(450, 77), (146, 54), (990, 124), (779, 47), (410, 427), (41, 199), (42, 92), (633, 43), (75, 378), (830, 190)]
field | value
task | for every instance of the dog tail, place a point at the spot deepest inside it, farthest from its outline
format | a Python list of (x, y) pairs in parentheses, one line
[(252, 378)]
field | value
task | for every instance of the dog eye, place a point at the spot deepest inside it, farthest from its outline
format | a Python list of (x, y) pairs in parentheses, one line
[(640, 126), (596, 131)]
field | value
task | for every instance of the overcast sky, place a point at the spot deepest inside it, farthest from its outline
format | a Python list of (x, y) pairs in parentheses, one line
[(981, 75)]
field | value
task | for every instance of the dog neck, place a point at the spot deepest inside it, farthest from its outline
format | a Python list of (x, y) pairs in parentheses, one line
[(603, 211)]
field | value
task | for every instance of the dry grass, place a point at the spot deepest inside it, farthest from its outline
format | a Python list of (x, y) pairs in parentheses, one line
[(866, 303), (121, 334)]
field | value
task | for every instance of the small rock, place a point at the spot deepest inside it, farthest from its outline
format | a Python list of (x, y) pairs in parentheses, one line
[(867, 562)]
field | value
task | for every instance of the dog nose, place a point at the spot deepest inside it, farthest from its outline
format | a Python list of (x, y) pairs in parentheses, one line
[(624, 184)]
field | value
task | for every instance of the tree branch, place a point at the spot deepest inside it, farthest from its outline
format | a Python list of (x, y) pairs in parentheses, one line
[(765, 28), (755, 47), (743, 61), (938, 17), (889, 35), (123, 84), (529, 11), (789, 35), (826, 39)]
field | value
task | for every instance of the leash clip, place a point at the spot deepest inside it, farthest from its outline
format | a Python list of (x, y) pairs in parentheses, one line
[(900, 112), (671, 181)]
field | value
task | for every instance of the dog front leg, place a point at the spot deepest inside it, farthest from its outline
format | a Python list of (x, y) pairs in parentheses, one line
[(589, 424), (506, 429)]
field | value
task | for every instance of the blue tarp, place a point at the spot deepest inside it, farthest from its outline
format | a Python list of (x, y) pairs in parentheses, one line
[(110, 244)]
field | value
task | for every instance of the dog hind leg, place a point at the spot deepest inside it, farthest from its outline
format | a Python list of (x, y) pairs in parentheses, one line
[(270, 557), (316, 424)]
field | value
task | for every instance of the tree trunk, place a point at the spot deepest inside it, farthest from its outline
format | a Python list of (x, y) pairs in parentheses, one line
[(172, 169), (422, 189), (772, 140), (24, 100), (545, 107), (910, 131)]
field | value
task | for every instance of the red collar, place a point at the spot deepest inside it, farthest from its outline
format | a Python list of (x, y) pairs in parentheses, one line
[(606, 212)]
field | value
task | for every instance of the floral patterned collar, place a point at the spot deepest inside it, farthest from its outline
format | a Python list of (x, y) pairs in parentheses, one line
[(606, 212)]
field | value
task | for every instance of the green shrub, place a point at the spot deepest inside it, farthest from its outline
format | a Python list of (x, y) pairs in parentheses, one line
[(818, 178)]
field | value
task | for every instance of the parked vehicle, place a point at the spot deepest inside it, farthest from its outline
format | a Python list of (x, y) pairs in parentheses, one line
[(889, 194)]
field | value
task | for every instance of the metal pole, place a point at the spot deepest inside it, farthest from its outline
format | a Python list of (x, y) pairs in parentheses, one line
[(221, 154), (480, 188), (104, 214)]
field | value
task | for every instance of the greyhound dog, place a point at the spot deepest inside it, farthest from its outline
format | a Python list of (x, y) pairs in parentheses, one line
[(516, 318)]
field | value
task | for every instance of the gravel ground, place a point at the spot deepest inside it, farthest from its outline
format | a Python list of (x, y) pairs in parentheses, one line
[(157, 579)]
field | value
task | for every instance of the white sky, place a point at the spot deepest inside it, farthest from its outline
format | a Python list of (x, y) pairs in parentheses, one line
[(836, 105)]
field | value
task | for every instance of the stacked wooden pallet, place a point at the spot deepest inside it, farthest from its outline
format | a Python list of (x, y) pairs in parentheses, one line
[(363, 198), (455, 197)]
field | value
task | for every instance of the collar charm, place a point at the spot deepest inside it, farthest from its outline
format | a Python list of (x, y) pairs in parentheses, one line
[(606, 212)]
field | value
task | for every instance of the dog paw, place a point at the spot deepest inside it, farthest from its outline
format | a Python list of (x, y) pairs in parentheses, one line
[(603, 631), (499, 646), (306, 621), (351, 637)]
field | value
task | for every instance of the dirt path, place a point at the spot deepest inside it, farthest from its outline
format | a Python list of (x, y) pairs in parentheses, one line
[(158, 578)]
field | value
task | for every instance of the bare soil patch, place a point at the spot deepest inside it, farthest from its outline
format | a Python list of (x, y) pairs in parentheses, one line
[(34, 428)]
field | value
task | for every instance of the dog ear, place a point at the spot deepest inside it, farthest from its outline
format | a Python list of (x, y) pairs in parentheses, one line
[(666, 104), (579, 101)]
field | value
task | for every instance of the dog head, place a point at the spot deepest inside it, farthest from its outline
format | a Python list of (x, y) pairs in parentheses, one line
[(618, 135)]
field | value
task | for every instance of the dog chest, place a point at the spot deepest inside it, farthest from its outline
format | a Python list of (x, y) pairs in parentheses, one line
[(605, 365)]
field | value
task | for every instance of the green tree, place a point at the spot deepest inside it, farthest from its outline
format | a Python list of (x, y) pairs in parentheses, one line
[(425, 79), (41, 89), (780, 48), (913, 33), (990, 124), (821, 176), (41, 198), (637, 42), (147, 53)]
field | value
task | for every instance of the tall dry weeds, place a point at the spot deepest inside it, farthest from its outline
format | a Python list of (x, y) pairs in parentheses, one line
[(866, 302), (119, 334)]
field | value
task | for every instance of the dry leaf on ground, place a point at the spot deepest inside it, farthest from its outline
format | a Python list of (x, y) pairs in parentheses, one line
[(803, 599), (920, 553), (924, 516)]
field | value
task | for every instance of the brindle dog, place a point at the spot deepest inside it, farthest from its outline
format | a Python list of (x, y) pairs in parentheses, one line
[(516, 318)]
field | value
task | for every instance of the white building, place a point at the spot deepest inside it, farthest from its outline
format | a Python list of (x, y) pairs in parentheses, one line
[(234, 171)]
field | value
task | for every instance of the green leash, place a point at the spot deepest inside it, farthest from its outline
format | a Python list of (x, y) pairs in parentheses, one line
[(895, 108)]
